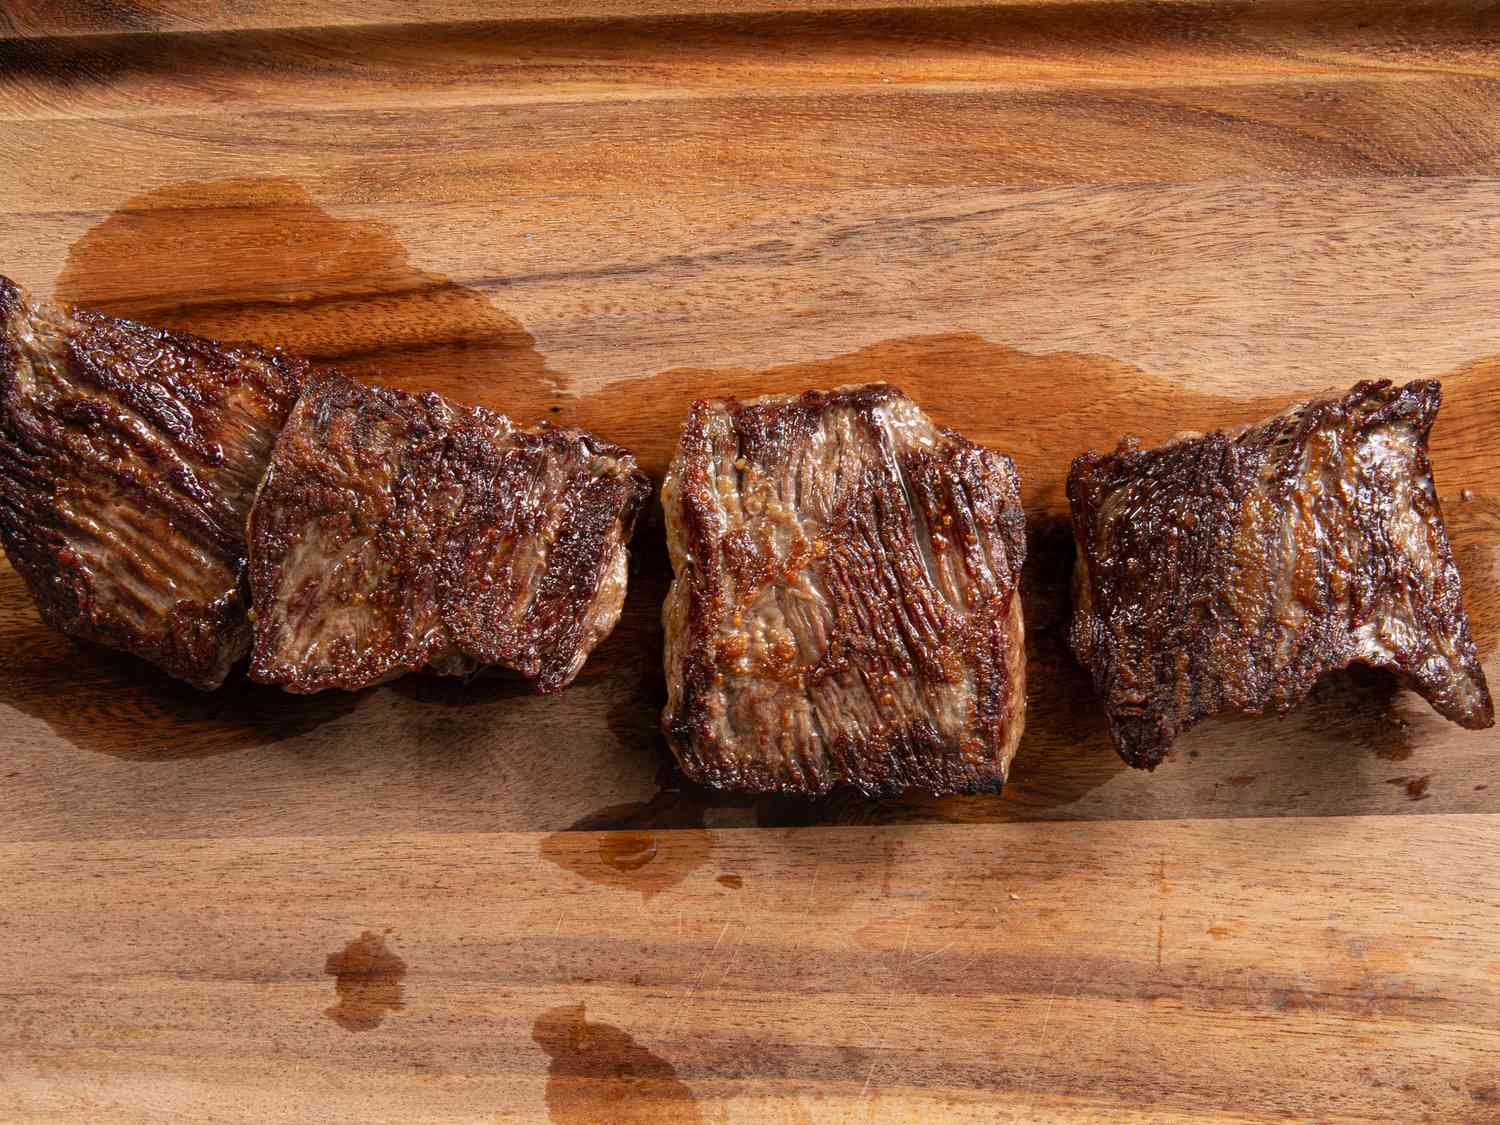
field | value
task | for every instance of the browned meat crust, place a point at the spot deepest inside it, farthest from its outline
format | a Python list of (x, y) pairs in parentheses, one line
[(128, 463), (395, 532), (1229, 571), (845, 607)]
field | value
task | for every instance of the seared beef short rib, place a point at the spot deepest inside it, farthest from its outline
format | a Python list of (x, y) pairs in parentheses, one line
[(1228, 571), (128, 460), (845, 606), (395, 532)]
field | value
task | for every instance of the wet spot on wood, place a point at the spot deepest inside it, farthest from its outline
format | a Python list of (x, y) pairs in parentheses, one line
[(367, 977), (343, 291), (607, 848), (126, 708), (733, 882), (627, 851), (597, 1072), (1219, 933), (1471, 528), (1415, 787), (1063, 712)]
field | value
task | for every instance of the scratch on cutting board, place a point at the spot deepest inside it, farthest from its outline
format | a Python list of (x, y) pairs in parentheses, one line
[(922, 960), (728, 965), (901, 967), (686, 1000), (1161, 919), (557, 957), (1072, 986), (812, 888)]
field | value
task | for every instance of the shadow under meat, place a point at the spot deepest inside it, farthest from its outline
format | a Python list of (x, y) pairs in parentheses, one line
[(112, 703)]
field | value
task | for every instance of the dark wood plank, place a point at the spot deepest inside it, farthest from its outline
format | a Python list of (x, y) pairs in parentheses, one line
[(43, 18), (1041, 322)]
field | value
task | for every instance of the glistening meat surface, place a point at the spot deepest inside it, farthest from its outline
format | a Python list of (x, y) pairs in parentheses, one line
[(396, 532), (1229, 571), (845, 605), (128, 463)]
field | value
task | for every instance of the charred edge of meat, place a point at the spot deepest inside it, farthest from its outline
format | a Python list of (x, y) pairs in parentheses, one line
[(159, 401), (433, 497), (912, 756), (1204, 628)]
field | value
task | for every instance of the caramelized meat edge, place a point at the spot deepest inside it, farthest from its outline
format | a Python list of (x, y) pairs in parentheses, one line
[(1229, 571)]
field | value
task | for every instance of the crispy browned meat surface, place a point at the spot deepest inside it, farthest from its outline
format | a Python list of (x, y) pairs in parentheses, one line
[(128, 462), (395, 532), (845, 607), (1229, 571)]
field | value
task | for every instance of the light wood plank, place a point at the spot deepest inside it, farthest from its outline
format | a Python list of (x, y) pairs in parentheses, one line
[(1257, 289), (673, 147), (1198, 971)]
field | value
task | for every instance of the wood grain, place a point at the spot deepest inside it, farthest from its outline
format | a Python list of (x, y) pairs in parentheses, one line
[(1017, 95), (46, 18), (1245, 970), (1051, 222)]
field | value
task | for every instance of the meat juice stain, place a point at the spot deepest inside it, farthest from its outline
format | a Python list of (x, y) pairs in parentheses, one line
[(597, 1072), (993, 394), (109, 702), (627, 851), (335, 290), (1359, 706), (367, 977), (645, 846), (1415, 787)]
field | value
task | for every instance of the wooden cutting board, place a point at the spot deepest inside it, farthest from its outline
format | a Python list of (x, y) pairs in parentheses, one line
[(1051, 223)]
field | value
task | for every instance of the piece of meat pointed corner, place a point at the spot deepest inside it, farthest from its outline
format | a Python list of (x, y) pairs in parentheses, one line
[(845, 607), (1228, 571)]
